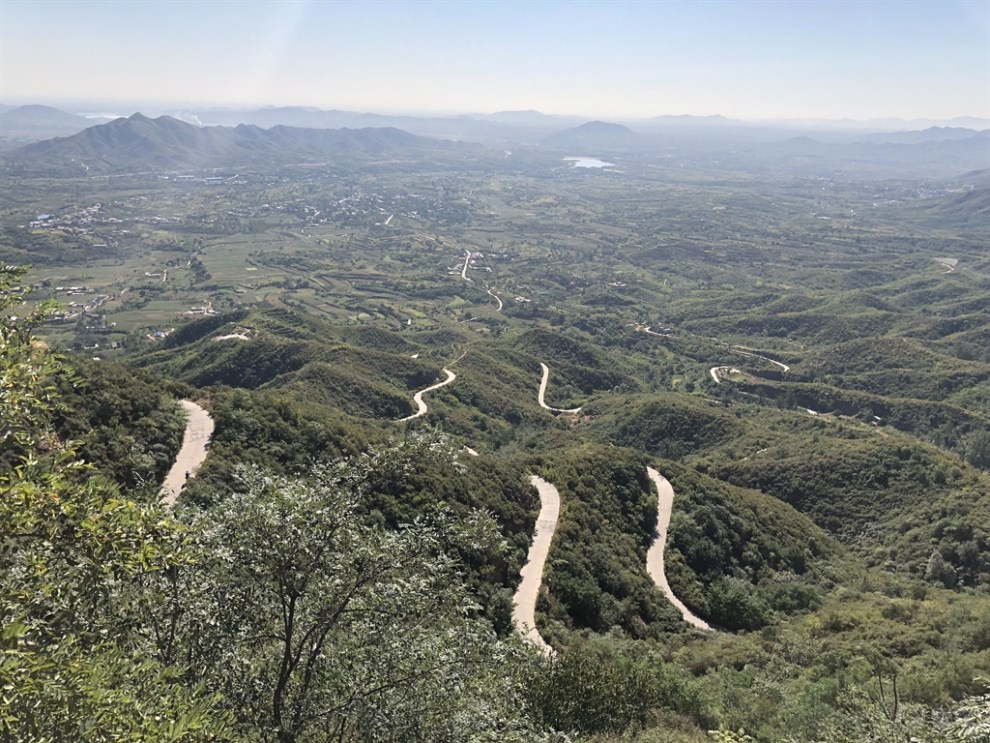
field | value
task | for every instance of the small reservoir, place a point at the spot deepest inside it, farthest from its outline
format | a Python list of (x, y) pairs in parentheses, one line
[(588, 162)]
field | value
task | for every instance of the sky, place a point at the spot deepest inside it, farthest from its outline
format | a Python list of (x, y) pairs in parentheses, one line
[(742, 59)]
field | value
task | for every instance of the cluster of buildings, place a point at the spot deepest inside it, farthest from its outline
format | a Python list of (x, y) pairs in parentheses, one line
[(80, 220)]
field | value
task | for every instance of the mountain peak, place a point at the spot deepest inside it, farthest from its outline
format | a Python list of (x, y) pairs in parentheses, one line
[(42, 120), (598, 135), (602, 126)]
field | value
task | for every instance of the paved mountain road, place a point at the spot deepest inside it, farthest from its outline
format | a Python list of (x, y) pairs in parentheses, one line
[(654, 557), (524, 602), (543, 391), (418, 397), (195, 447)]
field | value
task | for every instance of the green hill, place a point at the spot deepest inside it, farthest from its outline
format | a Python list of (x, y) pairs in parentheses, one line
[(139, 143)]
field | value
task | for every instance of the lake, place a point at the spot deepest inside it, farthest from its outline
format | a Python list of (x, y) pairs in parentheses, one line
[(589, 162)]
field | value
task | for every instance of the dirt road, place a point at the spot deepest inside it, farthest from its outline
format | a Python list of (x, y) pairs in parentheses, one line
[(418, 397), (498, 299), (744, 351), (524, 602), (654, 557), (715, 370), (195, 447), (543, 391)]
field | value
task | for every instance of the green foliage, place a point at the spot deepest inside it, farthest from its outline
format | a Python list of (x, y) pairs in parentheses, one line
[(939, 571), (424, 476), (100, 694), (273, 430), (947, 423), (749, 555), (969, 721), (341, 387), (729, 736), (595, 574), (27, 371), (302, 618), (121, 423), (575, 360), (319, 623), (893, 497), (668, 427), (602, 687), (72, 550), (976, 447)]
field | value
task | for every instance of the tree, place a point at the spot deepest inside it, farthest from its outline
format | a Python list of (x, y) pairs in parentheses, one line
[(283, 614), (323, 626), (976, 448), (600, 686), (940, 571), (72, 660), (27, 368)]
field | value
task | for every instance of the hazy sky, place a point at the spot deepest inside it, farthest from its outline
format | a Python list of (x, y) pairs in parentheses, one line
[(795, 59)]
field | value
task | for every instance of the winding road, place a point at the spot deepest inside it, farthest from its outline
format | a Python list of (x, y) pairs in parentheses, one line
[(418, 397), (654, 556), (543, 390), (716, 369), (467, 258), (524, 602), (646, 329), (231, 336), (497, 298), (744, 351), (195, 447)]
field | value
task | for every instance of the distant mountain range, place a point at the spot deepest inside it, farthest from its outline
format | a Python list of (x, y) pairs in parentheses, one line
[(510, 126), (878, 125), (693, 120), (139, 144), (280, 136), (26, 123), (530, 118), (931, 134), (931, 154)]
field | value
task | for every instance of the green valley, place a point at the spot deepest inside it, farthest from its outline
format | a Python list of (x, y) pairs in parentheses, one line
[(800, 345)]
